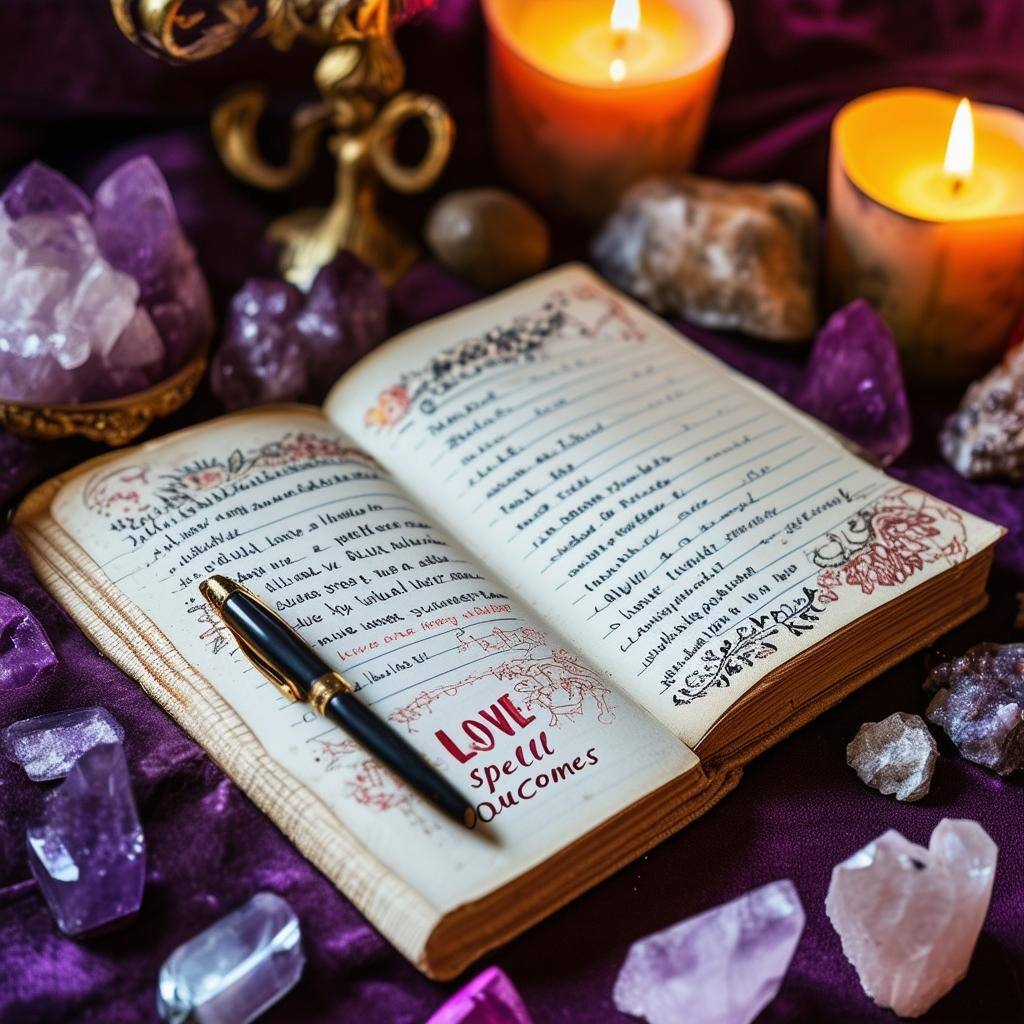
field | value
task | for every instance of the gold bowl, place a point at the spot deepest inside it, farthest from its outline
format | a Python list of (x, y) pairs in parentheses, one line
[(114, 421)]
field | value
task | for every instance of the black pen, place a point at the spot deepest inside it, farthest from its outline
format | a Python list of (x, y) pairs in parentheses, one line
[(301, 674)]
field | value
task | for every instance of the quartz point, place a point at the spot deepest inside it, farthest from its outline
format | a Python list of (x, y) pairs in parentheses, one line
[(87, 850), (854, 383), (723, 966), (979, 701), (48, 746), (490, 998), (984, 438), (235, 969), (97, 298), (737, 256), (909, 917), (281, 345), (895, 756), (25, 651)]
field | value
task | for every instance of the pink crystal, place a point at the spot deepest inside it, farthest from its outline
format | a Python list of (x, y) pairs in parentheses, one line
[(854, 383), (48, 746), (720, 967), (909, 917), (979, 701), (87, 850), (25, 651), (280, 345), (490, 998), (96, 299)]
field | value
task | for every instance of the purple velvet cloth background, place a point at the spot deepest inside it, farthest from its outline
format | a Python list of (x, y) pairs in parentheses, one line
[(78, 95)]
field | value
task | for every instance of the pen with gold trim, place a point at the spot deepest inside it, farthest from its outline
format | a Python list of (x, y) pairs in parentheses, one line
[(301, 674)]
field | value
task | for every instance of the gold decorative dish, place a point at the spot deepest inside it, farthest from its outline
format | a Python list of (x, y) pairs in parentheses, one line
[(114, 421)]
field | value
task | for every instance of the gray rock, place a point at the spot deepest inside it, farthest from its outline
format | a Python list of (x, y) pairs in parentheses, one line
[(719, 254), (488, 237), (895, 756)]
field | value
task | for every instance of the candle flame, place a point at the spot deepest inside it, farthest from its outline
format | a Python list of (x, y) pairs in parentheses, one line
[(626, 15), (959, 162)]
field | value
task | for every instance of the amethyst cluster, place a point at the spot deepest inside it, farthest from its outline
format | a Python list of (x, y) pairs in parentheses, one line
[(100, 297), (281, 345)]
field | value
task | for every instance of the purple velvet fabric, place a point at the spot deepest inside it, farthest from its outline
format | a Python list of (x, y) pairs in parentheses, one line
[(72, 90)]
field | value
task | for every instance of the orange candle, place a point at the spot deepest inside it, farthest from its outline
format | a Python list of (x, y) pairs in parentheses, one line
[(926, 221), (588, 96)]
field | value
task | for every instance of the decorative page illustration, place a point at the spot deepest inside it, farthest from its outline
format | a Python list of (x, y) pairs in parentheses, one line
[(686, 529), (542, 745)]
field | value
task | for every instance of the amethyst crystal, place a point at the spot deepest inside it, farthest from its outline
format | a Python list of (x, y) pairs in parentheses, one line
[(723, 966), (48, 746), (984, 438), (96, 299), (281, 345), (87, 850), (490, 998), (895, 756), (25, 651), (854, 383), (980, 704)]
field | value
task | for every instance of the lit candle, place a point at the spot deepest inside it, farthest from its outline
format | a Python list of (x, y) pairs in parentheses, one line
[(926, 221), (588, 96)]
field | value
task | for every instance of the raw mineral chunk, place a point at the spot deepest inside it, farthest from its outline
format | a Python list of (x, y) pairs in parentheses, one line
[(48, 746), (25, 651), (895, 756), (490, 998)]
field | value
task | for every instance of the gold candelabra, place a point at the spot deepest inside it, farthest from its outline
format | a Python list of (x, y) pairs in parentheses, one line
[(360, 110)]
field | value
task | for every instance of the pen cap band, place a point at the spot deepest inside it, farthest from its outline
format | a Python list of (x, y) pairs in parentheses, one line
[(217, 589), (325, 689)]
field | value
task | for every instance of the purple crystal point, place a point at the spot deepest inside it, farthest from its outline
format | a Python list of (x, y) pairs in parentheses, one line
[(48, 746), (721, 967), (25, 651), (490, 998), (37, 188), (280, 345), (854, 383), (980, 704), (87, 851)]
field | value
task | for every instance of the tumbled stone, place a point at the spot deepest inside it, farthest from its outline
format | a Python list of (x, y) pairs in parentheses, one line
[(854, 383), (235, 969), (490, 998), (723, 966), (48, 746), (488, 237), (909, 917), (718, 254), (895, 756), (97, 299), (980, 704), (25, 651), (282, 346), (87, 850), (984, 438)]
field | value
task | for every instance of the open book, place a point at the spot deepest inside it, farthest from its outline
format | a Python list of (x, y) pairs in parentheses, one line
[(585, 568)]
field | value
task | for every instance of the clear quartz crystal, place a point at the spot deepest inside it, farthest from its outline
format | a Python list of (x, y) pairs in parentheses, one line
[(239, 966), (48, 746), (720, 967)]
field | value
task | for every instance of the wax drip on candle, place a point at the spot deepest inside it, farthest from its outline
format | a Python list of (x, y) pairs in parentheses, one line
[(959, 163), (625, 20)]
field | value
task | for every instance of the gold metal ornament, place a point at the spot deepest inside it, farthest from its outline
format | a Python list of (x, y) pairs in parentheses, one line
[(361, 110)]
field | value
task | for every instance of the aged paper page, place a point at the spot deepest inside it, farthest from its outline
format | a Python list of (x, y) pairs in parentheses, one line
[(541, 743), (686, 529)]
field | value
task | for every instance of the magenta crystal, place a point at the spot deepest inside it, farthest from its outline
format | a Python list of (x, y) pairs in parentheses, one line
[(854, 383), (96, 299), (25, 651), (87, 850), (490, 998), (280, 345), (48, 746), (980, 703), (723, 966)]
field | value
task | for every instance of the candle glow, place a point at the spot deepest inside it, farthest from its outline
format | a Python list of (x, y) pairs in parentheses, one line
[(958, 164), (625, 20)]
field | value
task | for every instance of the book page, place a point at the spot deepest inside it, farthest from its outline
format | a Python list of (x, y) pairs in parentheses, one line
[(685, 528), (278, 500)]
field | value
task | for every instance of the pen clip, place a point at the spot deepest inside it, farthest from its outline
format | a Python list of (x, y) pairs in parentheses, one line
[(286, 686)]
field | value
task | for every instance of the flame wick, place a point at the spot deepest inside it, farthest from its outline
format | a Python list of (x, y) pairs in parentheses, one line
[(958, 164)]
